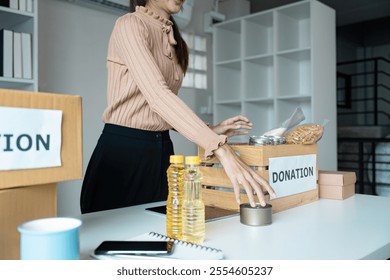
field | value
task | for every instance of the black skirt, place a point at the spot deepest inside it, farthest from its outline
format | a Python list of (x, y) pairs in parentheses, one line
[(128, 167)]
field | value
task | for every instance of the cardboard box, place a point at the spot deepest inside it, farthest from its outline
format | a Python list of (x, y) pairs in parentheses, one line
[(218, 191), (336, 184), (336, 178), (31, 193), (18, 205), (337, 192), (71, 150)]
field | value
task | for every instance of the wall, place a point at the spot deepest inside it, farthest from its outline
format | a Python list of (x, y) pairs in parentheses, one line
[(72, 50)]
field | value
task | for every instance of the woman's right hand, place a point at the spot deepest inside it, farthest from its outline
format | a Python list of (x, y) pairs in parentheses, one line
[(242, 176), (237, 125)]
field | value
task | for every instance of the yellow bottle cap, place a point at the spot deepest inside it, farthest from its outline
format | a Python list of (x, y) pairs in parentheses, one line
[(176, 159), (192, 160)]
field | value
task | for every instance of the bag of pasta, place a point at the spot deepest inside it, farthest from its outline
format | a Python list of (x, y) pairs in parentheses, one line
[(305, 134)]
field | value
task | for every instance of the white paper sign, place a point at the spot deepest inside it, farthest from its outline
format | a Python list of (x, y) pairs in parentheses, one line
[(29, 138), (293, 174)]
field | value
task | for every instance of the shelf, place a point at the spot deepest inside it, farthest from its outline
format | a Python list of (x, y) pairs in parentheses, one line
[(294, 73), (9, 18), (22, 22), (232, 102), (12, 83), (258, 77), (293, 52), (258, 34), (261, 114), (295, 98), (259, 56), (225, 111), (227, 43), (231, 63), (260, 100), (284, 59), (293, 24), (285, 107), (228, 78)]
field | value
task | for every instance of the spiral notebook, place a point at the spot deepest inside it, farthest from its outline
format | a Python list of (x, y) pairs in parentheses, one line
[(182, 250)]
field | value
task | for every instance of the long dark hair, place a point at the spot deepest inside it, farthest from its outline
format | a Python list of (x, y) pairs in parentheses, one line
[(181, 46)]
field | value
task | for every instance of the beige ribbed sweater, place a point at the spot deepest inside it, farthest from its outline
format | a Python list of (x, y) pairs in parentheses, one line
[(144, 79)]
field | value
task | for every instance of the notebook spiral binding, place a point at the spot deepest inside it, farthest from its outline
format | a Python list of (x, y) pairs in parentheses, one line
[(185, 243)]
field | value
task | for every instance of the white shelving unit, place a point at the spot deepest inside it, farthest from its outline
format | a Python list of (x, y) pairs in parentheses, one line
[(268, 63), (22, 21)]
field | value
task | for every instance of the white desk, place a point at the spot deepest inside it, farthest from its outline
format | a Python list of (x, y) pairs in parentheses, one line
[(355, 228)]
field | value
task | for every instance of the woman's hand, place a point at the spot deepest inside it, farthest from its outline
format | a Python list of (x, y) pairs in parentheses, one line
[(241, 175), (238, 125)]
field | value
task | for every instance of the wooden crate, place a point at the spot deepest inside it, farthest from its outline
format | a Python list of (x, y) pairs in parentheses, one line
[(218, 191)]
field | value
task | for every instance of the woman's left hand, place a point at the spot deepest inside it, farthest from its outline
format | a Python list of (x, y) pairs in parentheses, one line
[(238, 125)]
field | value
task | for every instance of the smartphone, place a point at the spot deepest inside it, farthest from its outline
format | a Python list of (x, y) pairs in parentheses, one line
[(135, 248)]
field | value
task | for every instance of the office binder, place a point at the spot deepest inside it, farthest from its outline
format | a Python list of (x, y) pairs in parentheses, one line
[(6, 53), (29, 6), (26, 56), (182, 250), (22, 5), (18, 66), (14, 4)]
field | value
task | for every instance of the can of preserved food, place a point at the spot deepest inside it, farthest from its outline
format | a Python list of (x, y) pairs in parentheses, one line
[(277, 140), (255, 216), (266, 140), (258, 140)]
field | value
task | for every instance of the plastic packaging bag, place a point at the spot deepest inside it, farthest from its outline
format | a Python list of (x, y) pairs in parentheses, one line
[(306, 134), (296, 118)]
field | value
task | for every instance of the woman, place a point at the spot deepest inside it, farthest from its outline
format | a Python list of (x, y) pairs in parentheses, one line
[(146, 62)]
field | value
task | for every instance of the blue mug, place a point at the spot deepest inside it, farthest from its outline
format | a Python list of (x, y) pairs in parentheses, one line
[(50, 239)]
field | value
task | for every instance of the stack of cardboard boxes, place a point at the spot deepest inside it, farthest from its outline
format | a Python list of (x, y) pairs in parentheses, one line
[(31, 193), (336, 184)]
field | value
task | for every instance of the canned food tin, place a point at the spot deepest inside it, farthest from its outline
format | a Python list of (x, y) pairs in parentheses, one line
[(277, 140), (266, 140), (255, 216), (258, 140)]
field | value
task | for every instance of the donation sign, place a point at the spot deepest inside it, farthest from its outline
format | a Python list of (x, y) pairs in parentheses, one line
[(293, 174), (29, 138)]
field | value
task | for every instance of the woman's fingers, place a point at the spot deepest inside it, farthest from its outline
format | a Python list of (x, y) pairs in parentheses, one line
[(237, 120), (236, 189), (266, 185), (249, 192), (243, 176)]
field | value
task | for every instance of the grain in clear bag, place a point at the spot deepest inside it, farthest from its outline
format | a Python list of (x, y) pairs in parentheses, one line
[(305, 134)]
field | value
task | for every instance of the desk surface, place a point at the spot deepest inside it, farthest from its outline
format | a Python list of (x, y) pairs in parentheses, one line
[(354, 228)]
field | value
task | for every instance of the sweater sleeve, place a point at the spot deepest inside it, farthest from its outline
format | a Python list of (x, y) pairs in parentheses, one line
[(131, 39)]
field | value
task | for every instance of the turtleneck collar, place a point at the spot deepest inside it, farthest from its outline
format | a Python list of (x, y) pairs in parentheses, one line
[(166, 28), (153, 15)]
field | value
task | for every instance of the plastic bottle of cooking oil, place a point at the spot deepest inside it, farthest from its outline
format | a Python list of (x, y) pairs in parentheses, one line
[(193, 206), (175, 173)]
